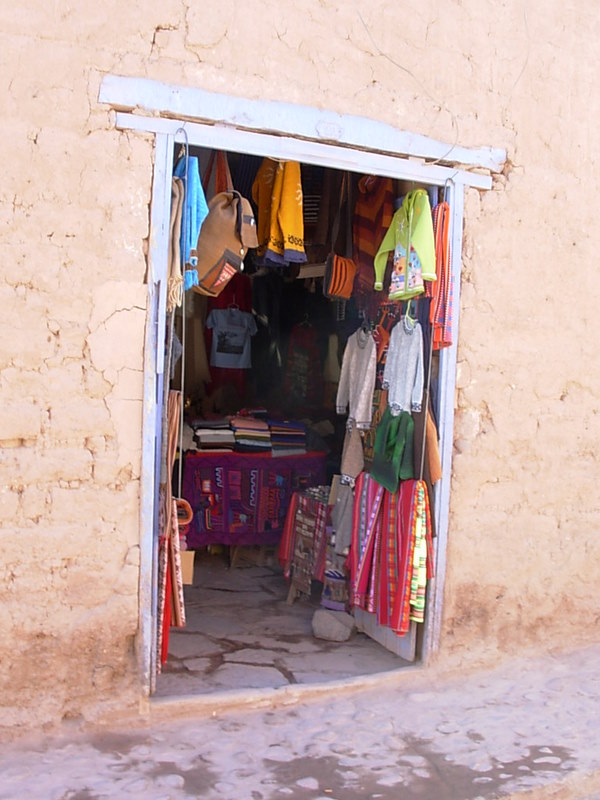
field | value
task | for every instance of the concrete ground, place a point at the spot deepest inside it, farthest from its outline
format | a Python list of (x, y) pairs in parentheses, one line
[(528, 729)]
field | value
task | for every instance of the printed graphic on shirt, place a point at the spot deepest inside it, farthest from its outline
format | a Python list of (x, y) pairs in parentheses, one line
[(232, 330)]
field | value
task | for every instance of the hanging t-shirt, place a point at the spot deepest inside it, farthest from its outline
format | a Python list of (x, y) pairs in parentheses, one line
[(232, 330)]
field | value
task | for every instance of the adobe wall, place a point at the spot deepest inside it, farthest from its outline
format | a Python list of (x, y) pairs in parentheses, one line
[(74, 224)]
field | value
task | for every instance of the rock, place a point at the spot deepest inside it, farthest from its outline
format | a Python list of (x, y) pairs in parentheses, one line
[(335, 626)]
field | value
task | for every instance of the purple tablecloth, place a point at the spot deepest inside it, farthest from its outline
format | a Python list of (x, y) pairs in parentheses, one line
[(242, 498)]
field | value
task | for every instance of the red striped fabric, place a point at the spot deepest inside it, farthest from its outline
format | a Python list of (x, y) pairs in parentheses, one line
[(442, 290)]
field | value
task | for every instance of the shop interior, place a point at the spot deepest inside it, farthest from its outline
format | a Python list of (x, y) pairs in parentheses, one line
[(299, 452)]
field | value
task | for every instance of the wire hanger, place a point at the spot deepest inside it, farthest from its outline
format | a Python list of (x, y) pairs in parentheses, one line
[(447, 182)]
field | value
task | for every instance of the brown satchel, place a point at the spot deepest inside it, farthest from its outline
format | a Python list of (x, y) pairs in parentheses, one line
[(225, 236)]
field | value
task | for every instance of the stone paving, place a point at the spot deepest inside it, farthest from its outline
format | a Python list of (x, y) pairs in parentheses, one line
[(528, 729), (241, 633)]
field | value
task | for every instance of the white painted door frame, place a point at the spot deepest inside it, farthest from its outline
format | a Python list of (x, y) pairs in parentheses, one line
[(301, 134)]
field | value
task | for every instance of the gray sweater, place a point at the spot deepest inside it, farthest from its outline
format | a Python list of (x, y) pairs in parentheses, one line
[(403, 371), (357, 379)]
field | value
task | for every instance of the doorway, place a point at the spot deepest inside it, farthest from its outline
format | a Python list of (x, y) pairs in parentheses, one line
[(363, 146)]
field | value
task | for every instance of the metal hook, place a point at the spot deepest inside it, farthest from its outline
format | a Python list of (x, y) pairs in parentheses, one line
[(449, 180)]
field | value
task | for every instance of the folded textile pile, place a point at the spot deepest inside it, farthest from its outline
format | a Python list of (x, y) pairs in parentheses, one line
[(251, 435), (288, 437), (213, 434)]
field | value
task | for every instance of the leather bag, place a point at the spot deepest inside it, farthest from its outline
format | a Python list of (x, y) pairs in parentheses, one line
[(226, 234), (340, 271)]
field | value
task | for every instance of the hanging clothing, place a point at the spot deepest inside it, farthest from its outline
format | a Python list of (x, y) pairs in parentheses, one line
[(368, 496), (331, 371), (391, 552), (353, 460), (277, 192), (228, 382), (341, 519), (393, 451), (403, 374), (357, 379), (303, 379), (411, 227), (170, 608), (232, 330), (174, 274), (267, 359), (195, 209), (442, 290), (373, 213)]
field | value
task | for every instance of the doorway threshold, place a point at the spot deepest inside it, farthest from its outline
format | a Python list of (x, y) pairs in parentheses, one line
[(243, 643)]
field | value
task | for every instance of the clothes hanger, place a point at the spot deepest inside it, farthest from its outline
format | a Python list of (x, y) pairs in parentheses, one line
[(410, 316)]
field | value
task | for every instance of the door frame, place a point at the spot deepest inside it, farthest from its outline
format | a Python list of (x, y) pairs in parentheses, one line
[(307, 135)]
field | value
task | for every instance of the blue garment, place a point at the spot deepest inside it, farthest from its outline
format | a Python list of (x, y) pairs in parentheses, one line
[(195, 207)]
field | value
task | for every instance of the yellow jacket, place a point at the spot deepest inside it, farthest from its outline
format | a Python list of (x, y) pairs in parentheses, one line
[(277, 192)]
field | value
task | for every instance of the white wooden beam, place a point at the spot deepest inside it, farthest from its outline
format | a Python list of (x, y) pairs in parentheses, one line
[(222, 137), (184, 102)]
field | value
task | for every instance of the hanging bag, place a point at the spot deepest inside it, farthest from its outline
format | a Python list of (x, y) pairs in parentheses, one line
[(226, 234), (340, 271)]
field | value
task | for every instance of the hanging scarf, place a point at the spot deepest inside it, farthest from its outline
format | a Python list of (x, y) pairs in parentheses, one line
[(442, 291)]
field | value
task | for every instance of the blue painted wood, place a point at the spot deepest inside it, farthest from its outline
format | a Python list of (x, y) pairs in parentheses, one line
[(447, 388), (152, 405)]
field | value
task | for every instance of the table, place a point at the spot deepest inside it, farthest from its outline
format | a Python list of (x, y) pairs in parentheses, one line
[(243, 498)]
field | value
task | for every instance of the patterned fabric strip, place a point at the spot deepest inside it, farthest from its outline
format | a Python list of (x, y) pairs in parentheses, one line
[(419, 576), (320, 540), (178, 620), (286, 544), (375, 572), (369, 503), (389, 558), (400, 621), (442, 292)]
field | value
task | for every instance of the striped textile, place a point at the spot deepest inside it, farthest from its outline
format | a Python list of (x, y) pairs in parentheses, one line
[(321, 511), (389, 559), (442, 290), (286, 544), (368, 495), (391, 556), (400, 617), (418, 582), (373, 592)]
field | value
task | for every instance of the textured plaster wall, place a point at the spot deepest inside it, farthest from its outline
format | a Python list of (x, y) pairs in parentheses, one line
[(74, 207)]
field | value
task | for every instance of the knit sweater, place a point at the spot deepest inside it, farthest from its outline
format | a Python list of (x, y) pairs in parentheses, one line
[(412, 225), (357, 379), (403, 373)]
